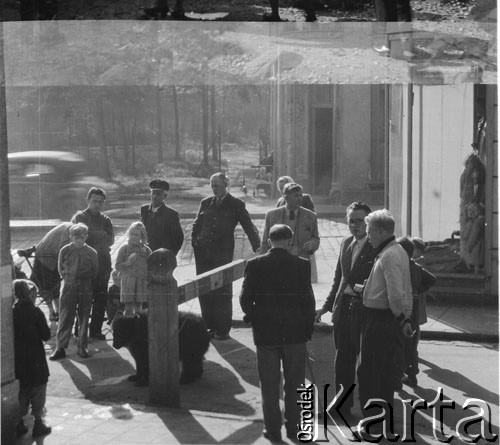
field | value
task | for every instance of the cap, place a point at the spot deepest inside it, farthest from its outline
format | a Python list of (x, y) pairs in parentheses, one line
[(418, 243), (406, 244), (159, 184)]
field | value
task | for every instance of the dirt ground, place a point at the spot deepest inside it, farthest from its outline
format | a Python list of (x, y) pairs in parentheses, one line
[(242, 10), (453, 42)]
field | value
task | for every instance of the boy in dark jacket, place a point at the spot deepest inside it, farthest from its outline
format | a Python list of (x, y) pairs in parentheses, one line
[(30, 331), (421, 281)]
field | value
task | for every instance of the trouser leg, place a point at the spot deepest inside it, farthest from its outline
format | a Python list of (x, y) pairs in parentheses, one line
[(347, 332), (380, 352), (385, 10), (38, 398), (207, 309), (223, 309), (67, 309), (403, 11), (83, 312), (294, 374), (24, 399), (100, 297), (268, 366)]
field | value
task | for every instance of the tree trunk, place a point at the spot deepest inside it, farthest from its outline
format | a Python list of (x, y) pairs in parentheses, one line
[(213, 124), (176, 124), (159, 126), (204, 111), (124, 141), (134, 129), (85, 130), (102, 138), (113, 133)]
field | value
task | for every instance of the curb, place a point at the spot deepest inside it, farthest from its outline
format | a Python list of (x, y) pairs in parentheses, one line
[(471, 337)]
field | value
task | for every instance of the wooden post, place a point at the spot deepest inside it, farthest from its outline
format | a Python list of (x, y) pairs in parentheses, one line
[(163, 330)]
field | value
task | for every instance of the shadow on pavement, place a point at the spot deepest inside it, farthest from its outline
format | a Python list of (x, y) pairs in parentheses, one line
[(216, 392), (106, 376), (446, 418), (241, 358), (459, 381)]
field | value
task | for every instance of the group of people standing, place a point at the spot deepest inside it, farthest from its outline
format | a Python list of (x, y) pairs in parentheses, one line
[(370, 300), (377, 304)]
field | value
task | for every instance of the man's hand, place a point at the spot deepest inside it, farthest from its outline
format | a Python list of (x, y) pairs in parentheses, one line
[(319, 313), (309, 246), (408, 331)]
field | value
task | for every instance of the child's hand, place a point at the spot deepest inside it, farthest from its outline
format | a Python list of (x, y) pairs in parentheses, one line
[(132, 259)]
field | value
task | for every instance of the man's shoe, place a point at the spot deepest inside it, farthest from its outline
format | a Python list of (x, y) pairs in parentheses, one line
[(273, 437), (21, 428), (58, 354), (97, 336), (409, 380), (83, 353), (221, 337), (40, 429)]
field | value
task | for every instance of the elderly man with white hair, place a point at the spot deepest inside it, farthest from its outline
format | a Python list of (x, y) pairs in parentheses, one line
[(387, 301)]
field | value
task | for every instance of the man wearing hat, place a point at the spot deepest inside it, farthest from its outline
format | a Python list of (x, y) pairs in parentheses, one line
[(161, 221), (303, 223), (213, 246)]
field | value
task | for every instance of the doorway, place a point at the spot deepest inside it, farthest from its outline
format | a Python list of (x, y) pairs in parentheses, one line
[(322, 150)]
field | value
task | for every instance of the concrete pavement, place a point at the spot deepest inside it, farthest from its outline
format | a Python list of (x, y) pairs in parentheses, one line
[(90, 401)]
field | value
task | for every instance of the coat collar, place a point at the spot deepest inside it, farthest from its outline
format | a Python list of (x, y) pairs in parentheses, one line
[(384, 244), (278, 251), (222, 200), (160, 207)]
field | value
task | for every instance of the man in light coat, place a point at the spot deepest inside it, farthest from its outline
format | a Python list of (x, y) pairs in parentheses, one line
[(303, 223)]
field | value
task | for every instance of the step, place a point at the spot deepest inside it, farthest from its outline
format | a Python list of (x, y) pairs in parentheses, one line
[(451, 290)]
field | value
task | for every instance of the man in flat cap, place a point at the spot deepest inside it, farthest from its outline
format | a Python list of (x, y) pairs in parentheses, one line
[(213, 246), (161, 221)]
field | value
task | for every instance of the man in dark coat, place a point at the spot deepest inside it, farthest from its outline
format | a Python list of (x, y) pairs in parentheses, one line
[(30, 364), (277, 298), (345, 302), (100, 237), (213, 244), (161, 221)]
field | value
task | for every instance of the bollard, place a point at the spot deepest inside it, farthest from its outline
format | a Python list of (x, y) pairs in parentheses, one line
[(163, 330)]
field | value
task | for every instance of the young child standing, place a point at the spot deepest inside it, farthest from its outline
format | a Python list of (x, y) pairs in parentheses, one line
[(421, 281), (30, 331), (113, 305), (77, 265), (131, 264)]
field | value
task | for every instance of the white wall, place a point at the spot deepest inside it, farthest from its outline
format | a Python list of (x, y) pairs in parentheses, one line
[(442, 137)]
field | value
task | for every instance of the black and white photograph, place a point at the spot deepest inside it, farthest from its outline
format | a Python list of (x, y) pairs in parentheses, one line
[(249, 222)]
